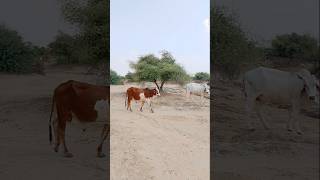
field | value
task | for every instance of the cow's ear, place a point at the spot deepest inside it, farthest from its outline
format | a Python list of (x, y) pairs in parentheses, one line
[(301, 76), (304, 74)]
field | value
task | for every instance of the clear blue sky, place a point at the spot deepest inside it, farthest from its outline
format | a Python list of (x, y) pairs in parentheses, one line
[(148, 26)]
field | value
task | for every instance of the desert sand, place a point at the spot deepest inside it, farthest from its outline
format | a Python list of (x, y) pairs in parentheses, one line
[(25, 152), (171, 143), (261, 155)]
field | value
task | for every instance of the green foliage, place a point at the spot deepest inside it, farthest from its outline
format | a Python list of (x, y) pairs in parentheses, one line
[(63, 49), (115, 78), (201, 76), (230, 46), (293, 45), (131, 77), (163, 69), (15, 55), (91, 44)]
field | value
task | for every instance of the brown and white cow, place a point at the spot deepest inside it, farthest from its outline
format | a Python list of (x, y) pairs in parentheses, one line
[(83, 101), (142, 95)]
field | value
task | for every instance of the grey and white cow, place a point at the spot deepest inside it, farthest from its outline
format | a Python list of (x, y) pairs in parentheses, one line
[(198, 89), (266, 85)]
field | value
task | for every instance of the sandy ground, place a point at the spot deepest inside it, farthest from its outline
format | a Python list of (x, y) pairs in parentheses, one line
[(261, 155), (172, 143), (25, 152)]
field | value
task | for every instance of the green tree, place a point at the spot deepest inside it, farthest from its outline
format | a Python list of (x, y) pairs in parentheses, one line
[(230, 45), (201, 76), (15, 55), (115, 78), (159, 70), (293, 45), (130, 77), (63, 49), (92, 19)]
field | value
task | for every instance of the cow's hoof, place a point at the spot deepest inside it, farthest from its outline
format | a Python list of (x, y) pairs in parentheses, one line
[(101, 155), (68, 155), (56, 149), (290, 130), (299, 133)]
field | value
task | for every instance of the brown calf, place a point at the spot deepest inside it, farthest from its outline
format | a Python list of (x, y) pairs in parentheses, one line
[(82, 101), (142, 95)]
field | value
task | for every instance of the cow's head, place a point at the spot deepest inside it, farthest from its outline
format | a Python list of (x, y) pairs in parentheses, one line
[(206, 88), (156, 92), (309, 83)]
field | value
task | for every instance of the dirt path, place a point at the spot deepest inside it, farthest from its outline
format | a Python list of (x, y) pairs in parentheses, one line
[(172, 143), (25, 151), (275, 154)]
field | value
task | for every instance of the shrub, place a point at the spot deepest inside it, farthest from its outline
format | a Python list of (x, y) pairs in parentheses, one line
[(15, 55)]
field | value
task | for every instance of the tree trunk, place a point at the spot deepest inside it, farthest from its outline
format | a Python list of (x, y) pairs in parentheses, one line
[(161, 86), (155, 81)]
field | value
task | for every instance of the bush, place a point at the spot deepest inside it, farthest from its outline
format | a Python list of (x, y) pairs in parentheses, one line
[(293, 45), (15, 55), (63, 50), (131, 77), (201, 76), (230, 46), (91, 44), (115, 78)]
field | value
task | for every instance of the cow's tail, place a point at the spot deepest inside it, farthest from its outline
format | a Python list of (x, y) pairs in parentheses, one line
[(50, 124)]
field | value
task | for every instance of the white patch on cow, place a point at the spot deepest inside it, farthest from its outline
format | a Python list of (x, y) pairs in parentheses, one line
[(142, 97), (158, 92), (101, 108)]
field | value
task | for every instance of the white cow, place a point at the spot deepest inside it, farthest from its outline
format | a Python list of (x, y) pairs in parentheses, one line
[(198, 89), (263, 85)]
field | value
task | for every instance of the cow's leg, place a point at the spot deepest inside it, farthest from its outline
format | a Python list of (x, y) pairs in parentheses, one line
[(202, 99), (104, 134), (142, 103), (290, 120), (62, 129), (258, 107), (129, 104), (150, 105), (250, 102), (189, 95), (296, 121), (56, 134)]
